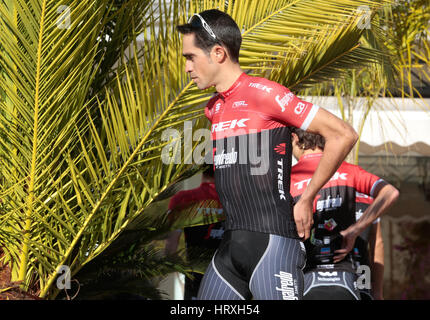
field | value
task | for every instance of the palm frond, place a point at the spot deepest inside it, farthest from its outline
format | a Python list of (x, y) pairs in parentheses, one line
[(48, 74)]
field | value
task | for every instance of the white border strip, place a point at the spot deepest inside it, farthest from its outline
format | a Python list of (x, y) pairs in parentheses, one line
[(310, 117), (226, 282), (374, 186)]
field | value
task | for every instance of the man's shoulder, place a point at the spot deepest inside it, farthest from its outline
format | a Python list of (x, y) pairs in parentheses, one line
[(264, 85), (352, 168)]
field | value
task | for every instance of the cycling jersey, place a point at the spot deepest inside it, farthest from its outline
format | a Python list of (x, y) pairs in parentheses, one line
[(252, 153), (334, 209)]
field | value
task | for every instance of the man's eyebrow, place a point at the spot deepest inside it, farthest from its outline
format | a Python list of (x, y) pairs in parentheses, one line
[(188, 55)]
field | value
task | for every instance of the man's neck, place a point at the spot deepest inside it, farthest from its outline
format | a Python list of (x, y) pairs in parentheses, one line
[(227, 77)]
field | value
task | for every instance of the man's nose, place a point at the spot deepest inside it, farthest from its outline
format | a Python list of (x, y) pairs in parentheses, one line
[(188, 67)]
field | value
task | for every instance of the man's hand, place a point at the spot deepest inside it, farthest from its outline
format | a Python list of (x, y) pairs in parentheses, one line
[(348, 240), (303, 216)]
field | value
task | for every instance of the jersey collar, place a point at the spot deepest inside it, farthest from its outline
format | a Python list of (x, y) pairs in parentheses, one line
[(234, 87), (311, 156)]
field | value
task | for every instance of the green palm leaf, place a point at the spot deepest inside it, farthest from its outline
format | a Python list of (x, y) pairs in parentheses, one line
[(48, 71)]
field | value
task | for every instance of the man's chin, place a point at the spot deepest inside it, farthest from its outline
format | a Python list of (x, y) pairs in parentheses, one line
[(204, 87), (199, 85)]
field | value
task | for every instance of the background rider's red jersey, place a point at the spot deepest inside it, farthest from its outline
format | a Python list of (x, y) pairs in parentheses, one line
[(206, 236), (334, 209), (252, 153)]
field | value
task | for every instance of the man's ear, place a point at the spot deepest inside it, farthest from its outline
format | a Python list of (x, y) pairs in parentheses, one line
[(219, 53), (294, 138)]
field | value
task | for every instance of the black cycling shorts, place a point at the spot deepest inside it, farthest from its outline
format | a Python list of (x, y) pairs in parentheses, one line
[(331, 285), (255, 265)]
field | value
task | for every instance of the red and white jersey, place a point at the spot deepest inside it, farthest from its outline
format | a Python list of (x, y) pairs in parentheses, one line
[(255, 104), (205, 235), (252, 152), (334, 206)]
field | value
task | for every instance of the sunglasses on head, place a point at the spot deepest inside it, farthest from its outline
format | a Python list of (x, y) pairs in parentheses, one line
[(200, 22)]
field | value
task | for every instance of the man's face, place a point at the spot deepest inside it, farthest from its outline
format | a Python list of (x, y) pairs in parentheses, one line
[(198, 63)]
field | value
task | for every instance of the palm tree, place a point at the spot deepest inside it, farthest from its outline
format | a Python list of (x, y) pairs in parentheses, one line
[(85, 108)]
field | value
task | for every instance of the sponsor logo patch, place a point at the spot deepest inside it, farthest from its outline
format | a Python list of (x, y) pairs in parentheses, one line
[(330, 224), (285, 100), (281, 148), (281, 179), (325, 250), (225, 158), (329, 203), (288, 286), (238, 104), (300, 108), (217, 107)]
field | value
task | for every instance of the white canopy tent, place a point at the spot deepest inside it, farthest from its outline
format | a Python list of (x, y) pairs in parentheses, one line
[(395, 125)]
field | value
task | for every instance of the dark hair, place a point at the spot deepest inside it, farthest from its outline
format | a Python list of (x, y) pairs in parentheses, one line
[(225, 28), (309, 140)]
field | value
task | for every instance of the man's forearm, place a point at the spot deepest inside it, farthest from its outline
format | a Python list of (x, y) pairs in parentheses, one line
[(385, 197)]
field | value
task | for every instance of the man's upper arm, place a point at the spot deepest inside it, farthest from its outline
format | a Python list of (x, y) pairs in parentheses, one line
[(327, 125)]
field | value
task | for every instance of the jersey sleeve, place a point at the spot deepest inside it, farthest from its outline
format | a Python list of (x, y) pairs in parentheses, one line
[(366, 182), (286, 107)]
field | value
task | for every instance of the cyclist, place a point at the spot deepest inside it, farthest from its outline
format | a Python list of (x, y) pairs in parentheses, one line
[(261, 255), (330, 271)]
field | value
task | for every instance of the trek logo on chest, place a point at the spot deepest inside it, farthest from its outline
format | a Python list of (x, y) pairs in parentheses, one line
[(342, 176), (230, 124), (260, 87)]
